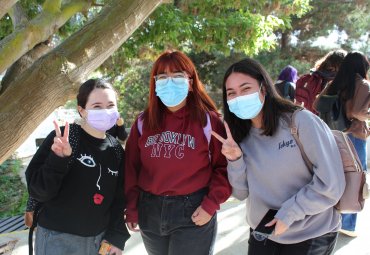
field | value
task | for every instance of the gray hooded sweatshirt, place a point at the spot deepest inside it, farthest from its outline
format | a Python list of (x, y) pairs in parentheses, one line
[(272, 175)]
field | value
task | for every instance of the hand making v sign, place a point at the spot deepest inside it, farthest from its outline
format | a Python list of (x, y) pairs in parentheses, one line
[(230, 148), (61, 146)]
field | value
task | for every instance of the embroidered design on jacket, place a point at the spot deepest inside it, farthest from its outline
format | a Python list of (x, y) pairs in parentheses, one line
[(287, 144)]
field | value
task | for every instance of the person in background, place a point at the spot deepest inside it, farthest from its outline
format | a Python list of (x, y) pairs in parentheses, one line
[(285, 85), (81, 188), (176, 175), (309, 86), (351, 85), (266, 168)]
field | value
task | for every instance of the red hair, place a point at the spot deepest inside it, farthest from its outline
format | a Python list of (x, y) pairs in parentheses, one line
[(198, 98)]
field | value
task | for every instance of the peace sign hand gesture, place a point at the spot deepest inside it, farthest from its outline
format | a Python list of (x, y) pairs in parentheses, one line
[(61, 146), (230, 148)]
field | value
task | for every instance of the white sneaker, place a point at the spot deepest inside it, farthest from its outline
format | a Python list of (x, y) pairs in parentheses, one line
[(348, 232)]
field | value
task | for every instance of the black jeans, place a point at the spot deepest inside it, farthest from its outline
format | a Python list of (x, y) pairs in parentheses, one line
[(167, 229), (322, 245)]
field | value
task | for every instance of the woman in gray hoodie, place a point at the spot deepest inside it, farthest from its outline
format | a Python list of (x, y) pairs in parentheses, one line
[(266, 168)]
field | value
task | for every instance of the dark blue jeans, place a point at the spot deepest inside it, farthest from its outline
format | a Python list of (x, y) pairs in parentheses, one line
[(322, 245), (167, 229)]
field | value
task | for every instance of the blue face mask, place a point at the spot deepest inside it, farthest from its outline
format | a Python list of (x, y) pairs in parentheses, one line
[(246, 107), (172, 91)]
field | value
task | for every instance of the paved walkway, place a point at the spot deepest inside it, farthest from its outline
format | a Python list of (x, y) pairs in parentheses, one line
[(232, 235)]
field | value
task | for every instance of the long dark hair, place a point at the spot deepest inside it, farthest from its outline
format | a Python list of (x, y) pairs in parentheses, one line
[(273, 106), (344, 82)]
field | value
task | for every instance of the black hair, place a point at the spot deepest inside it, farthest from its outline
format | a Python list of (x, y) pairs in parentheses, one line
[(344, 82), (273, 106), (88, 86)]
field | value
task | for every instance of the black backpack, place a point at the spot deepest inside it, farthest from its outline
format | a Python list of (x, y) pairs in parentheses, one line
[(331, 111), (36, 207)]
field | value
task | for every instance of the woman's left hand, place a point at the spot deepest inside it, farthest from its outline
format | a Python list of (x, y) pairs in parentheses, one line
[(200, 217), (280, 226), (115, 251)]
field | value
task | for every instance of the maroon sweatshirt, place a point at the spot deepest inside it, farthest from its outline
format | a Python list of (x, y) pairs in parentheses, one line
[(176, 161)]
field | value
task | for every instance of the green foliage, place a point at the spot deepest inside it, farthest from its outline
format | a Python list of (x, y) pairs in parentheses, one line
[(209, 31), (213, 25), (133, 87), (6, 26), (13, 195), (32, 7)]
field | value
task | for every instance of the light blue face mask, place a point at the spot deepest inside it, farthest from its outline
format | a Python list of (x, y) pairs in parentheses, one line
[(172, 91), (246, 107)]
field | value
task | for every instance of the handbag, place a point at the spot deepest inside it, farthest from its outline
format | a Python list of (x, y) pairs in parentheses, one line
[(356, 189)]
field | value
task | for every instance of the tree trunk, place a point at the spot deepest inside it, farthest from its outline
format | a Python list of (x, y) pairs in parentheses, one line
[(54, 78), (37, 30), (5, 5), (284, 41)]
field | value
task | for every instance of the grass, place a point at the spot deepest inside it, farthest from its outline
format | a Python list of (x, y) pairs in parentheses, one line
[(13, 195)]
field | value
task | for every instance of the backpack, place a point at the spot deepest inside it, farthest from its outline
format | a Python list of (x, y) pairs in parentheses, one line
[(34, 207), (207, 130), (356, 190), (283, 89), (331, 111), (308, 86)]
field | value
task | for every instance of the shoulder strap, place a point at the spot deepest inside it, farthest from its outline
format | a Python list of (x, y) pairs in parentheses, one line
[(140, 123), (207, 130), (294, 132), (36, 212)]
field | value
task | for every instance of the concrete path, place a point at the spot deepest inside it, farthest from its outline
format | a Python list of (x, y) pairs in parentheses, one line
[(232, 235)]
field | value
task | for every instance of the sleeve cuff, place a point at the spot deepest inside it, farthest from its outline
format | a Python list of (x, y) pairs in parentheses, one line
[(286, 216), (209, 206), (132, 216), (236, 164), (117, 239)]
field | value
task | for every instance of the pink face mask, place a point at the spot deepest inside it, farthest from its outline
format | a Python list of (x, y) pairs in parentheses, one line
[(102, 119)]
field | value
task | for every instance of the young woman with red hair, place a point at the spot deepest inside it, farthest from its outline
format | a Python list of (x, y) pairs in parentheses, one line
[(175, 172)]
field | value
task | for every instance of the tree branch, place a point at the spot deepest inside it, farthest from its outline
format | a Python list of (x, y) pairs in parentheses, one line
[(37, 30), (5, 5), (23, 64)]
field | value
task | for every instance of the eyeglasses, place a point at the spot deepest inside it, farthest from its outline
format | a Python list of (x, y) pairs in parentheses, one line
[(176, 77)]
